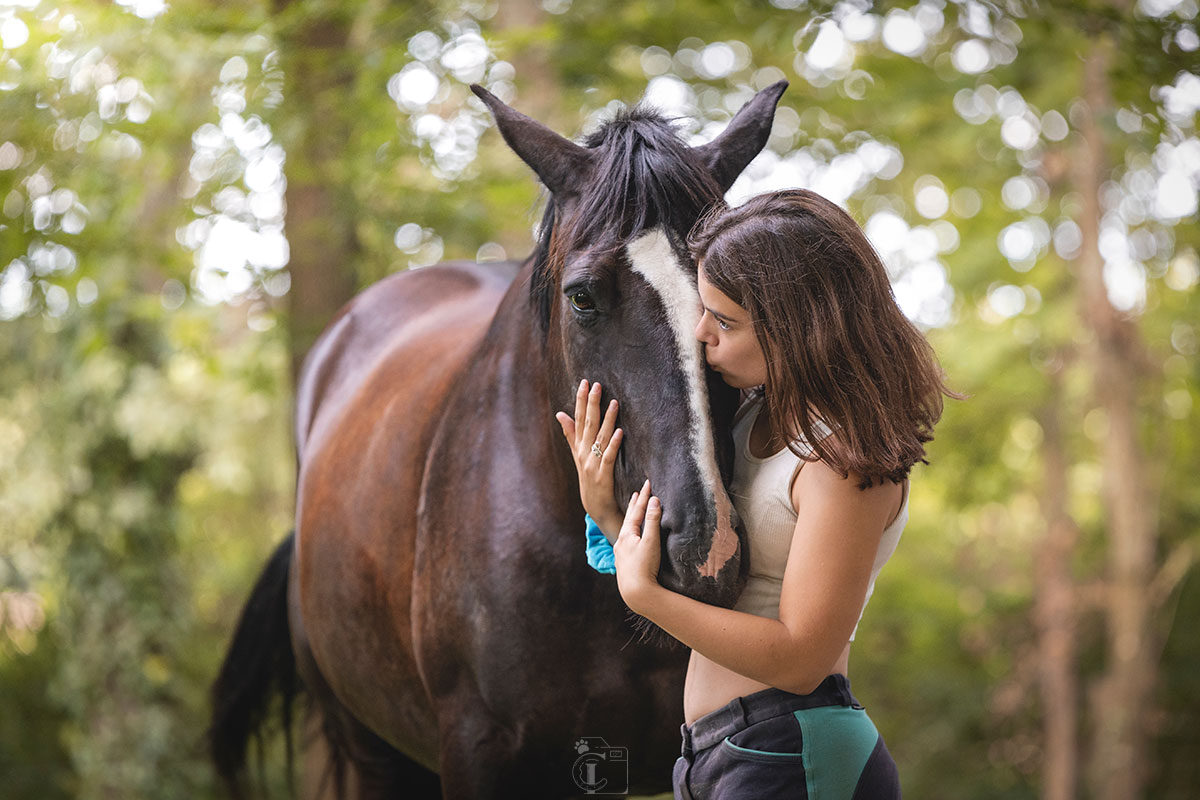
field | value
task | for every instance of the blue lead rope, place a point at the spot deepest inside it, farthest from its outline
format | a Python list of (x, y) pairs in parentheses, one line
[(599, 552)]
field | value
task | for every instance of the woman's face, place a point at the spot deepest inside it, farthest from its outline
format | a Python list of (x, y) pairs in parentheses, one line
[(730, 345)]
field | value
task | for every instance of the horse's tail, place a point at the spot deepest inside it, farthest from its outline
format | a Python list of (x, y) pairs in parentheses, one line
[(259, 665)]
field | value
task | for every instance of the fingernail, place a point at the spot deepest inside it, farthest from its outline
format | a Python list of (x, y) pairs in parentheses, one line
[(654, 504)]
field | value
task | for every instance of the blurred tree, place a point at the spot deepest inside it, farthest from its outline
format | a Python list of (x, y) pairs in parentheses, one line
[(1117, 361), (319, 43), (111, 391)]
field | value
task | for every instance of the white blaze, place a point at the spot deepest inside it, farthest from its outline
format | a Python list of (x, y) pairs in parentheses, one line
[(654, 259)]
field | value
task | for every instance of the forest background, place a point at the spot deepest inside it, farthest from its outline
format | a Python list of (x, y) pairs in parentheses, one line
[(189, 190)]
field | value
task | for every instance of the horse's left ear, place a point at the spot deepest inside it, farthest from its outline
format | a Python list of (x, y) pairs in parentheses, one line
[(558, 161), (744, 137)]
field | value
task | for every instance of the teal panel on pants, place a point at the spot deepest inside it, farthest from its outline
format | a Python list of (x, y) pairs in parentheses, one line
[(838, 740)]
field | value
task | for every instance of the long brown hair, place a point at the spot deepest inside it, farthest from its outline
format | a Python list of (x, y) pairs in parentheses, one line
[(838, 348)]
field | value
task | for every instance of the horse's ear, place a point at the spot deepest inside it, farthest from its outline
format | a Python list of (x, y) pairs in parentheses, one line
[(558, 161), (744, 137)]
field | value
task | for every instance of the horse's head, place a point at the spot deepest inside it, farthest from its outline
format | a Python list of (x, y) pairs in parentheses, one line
[(615, 291)]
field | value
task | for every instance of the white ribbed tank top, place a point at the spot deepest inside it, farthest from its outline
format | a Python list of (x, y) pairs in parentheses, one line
[(761, 492)]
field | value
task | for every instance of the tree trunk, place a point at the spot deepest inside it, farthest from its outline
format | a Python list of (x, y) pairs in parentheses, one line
[(1055, 610), (316, 53), (1123, 694), (321, 208)]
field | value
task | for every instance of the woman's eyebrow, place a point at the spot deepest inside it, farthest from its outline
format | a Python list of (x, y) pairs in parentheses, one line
[(719, 315)]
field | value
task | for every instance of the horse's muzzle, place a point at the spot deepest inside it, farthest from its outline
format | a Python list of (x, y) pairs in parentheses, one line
[(708, 565)]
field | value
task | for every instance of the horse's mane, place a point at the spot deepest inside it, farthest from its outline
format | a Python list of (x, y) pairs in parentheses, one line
[(643, 175)]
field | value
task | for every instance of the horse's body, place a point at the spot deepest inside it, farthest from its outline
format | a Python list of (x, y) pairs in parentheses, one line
[(444, 611), (414, 330), (438, 603)]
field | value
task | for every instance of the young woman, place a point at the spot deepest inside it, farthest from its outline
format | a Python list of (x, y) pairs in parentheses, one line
[(842, 394)]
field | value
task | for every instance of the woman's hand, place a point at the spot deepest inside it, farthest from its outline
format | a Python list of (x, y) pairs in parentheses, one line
[(637, 552), (594, 443)]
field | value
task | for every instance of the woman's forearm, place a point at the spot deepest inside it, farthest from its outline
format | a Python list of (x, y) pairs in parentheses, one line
[(609, 524), (760, 648)]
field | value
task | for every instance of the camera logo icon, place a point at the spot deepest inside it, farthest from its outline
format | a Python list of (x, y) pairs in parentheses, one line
[(600, 769)]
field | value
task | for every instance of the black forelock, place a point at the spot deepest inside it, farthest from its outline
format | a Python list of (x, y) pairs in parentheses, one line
[(642, 176)]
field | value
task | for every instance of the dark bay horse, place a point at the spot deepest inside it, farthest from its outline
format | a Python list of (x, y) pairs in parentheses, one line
[(434, 599)]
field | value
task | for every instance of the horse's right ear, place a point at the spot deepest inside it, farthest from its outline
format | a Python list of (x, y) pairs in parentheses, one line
[(743, 138), (559, 162)]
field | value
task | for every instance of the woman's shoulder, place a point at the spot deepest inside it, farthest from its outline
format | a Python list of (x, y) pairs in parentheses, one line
[(818, 484)]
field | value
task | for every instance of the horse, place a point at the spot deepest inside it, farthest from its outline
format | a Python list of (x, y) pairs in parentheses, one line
[(433, 599)]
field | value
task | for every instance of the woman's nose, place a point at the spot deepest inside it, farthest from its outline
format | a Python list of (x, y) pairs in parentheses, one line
[(702, 332)]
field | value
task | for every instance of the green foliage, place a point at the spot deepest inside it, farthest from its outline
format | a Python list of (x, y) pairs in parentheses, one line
[(143, 431)]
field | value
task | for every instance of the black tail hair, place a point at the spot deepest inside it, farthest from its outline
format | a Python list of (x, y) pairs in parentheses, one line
[(258, 666)]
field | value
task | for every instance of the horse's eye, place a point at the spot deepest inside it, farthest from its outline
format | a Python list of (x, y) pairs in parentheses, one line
[(582, 301)]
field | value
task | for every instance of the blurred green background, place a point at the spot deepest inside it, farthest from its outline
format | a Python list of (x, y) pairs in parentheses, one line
[(189, 190)]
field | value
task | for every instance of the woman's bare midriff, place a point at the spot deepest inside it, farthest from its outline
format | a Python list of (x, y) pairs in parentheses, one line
[(710, 686)]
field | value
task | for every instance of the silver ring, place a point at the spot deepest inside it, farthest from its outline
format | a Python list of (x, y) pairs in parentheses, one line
[(596, 451)]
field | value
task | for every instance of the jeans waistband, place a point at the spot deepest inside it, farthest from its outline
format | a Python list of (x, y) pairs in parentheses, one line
[(741, 712)]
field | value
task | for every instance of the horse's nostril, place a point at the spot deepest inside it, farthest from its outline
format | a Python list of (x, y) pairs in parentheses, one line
[(668, 526)]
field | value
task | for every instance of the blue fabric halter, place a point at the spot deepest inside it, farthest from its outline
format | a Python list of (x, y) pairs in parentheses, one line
[(598, 551)]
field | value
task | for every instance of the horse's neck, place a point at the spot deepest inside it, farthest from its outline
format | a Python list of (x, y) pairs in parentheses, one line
[(514, 331), (515, 377), (517, 365)]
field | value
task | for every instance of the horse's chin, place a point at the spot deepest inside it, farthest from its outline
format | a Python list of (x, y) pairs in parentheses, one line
[(706, 590), (722, 593), (694, 580), (649, 633)]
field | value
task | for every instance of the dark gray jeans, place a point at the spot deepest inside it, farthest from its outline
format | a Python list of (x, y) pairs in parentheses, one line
[(774, 744)]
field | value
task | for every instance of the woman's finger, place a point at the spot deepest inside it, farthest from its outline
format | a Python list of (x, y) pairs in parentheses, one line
[(630, 513), (610, 451), (568, 426), (606, 428), (635, 515), (591, 423), (650, 529), (581, 396)]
